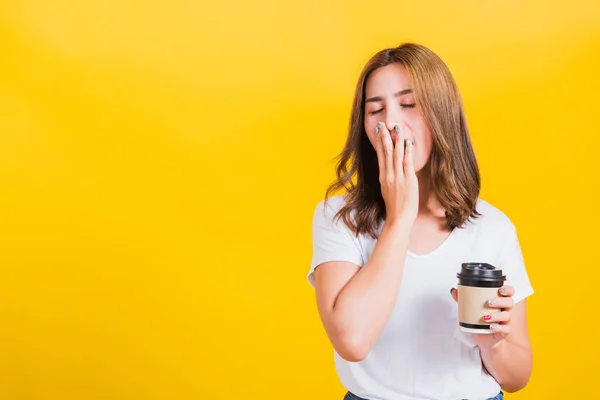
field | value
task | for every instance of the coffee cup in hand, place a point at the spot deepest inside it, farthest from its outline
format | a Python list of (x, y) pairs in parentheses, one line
[(477, 284)]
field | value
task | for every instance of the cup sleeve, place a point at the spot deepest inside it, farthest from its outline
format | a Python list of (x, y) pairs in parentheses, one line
[(332, 240)]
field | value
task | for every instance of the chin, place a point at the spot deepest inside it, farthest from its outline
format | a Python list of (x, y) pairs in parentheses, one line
[(420, 167)]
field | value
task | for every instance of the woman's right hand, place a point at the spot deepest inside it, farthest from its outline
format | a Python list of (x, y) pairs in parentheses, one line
[(399, 184)]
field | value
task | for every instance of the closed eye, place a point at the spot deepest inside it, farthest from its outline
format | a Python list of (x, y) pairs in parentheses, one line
[(401, 105)]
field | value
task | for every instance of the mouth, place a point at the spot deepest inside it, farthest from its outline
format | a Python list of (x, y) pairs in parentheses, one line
[(393, 134)]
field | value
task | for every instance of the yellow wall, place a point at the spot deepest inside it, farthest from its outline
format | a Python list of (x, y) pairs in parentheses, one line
[(160, 162)]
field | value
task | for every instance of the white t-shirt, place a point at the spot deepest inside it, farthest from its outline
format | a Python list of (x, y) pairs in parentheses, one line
[(421, 352)]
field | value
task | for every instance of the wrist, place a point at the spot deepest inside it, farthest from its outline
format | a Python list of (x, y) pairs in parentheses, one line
[(401, 224)]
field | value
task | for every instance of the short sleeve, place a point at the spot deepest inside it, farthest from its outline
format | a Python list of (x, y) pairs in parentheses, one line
[(512, 264), (332, 241)]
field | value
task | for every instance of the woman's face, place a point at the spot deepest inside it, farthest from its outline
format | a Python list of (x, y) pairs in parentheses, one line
[(389, 99)]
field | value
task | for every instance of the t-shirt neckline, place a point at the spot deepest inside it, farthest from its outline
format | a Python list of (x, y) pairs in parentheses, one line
[(437, 249), (433, 252)]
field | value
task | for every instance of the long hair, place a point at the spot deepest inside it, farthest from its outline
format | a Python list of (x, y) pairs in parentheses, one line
[(452, 164)]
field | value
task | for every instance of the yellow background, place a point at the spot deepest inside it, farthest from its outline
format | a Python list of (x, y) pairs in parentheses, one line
[(160, 163)]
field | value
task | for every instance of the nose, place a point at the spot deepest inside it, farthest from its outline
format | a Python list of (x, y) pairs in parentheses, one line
[(393, 117)]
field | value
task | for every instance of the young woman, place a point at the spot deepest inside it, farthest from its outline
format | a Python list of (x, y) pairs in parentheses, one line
[(386, 253)]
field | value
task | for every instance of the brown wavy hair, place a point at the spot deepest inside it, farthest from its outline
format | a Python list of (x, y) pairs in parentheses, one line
[(452, 164)]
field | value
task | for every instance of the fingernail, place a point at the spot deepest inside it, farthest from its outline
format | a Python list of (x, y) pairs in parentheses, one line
[(494, 326), (503, 290), (408, 142), (487, 317), (377, 129), (397, 128), (491, 302)]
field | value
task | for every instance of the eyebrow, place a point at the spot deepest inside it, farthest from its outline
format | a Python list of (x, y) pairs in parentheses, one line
[(379, 98)]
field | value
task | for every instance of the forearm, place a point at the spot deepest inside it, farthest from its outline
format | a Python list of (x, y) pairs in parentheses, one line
[(509, 363), (365, 304)]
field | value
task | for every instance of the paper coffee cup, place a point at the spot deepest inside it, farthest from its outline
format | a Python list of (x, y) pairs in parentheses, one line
[(477, 284)]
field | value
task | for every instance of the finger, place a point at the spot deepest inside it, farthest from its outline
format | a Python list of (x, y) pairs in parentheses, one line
[(506, 291), (388, 150), (454, 294), (501, 302), (500, 328), (399, 151), (409, 166), (394, 135), (502, 316), (379, 150)]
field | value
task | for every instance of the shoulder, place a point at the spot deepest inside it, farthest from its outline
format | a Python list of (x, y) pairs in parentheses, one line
[(332, 205), (492, 219), (326, 211)]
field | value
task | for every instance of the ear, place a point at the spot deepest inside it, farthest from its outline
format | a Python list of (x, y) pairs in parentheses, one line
[(454, 294)]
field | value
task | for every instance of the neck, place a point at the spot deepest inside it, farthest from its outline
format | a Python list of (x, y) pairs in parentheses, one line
[(429, 206)]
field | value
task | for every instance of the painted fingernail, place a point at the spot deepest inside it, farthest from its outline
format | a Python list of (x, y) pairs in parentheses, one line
[(408, 142), (377, 129), (491, 302), (494, 326), (487, 317), (397, 128), (503, 290)]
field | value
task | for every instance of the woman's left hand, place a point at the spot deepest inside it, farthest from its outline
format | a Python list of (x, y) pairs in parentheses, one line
[(500, 321)]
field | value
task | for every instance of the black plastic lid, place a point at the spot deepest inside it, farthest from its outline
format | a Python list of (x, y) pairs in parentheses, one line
[(480, 275)]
